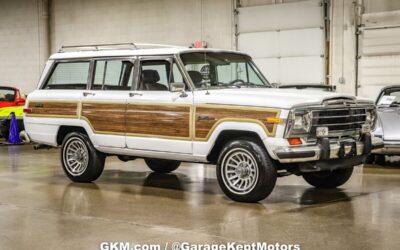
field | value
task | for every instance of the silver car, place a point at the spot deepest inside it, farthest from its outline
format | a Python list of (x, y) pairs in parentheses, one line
[(388, 123)]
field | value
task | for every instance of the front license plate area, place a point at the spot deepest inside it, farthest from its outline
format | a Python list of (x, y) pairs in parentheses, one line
[(347, 149)]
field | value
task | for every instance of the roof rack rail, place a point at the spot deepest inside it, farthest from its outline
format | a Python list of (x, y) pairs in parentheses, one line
[(89, 47)]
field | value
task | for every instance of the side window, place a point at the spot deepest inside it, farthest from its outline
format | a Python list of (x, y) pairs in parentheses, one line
[(68, 75), (154, 75), (157, 75), (112, 75)]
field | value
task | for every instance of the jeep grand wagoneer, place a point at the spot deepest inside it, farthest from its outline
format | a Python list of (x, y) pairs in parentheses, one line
[(171, 104)]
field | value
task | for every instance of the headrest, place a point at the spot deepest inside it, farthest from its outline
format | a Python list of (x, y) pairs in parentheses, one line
[(196, 76), (150, 76)]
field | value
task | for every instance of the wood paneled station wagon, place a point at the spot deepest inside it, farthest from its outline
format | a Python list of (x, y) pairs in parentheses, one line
[(169, 105)]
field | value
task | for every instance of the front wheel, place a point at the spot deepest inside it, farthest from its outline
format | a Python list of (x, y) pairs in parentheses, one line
[(245, 172), (328, 179), (81, 162), (162, 166)]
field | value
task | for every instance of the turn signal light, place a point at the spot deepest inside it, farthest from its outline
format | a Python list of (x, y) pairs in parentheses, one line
[(294, 141), (27, 111), (274, 120)]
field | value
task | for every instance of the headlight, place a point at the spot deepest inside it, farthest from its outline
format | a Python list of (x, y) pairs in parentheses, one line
[(299, 123), (370, 117)]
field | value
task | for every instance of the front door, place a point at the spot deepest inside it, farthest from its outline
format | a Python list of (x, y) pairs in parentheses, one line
[(156, 118)]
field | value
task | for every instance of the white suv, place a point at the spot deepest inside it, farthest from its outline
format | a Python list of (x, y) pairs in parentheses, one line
[(174, 104)]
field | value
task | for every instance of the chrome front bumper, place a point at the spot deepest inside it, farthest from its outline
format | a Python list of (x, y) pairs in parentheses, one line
[(389, 148), (327, 150)]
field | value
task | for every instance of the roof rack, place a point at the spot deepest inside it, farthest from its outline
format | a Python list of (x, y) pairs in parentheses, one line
[(103, 46), (113, 46)]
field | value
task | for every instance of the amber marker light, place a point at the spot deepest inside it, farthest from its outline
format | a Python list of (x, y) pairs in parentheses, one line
[(274, 120), (294, 141)]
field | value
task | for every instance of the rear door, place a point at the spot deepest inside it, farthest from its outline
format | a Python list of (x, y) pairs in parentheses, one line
[(104, 104), (158, 119)]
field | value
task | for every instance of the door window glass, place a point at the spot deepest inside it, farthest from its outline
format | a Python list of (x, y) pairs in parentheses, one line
[(157, 75), (112, 75)]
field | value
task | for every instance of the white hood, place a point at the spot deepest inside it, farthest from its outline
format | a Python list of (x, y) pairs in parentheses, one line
[(266, 97)]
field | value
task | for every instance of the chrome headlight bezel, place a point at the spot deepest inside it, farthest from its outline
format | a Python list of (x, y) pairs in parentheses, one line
[(371, 117), (299, 123)]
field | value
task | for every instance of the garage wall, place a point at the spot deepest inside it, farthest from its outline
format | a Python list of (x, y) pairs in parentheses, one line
[(288, 50), (23, 43), (379, 47), (178, 22)]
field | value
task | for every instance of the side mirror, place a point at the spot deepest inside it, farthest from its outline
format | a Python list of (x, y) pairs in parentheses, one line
[(20, 101), (177, 87)]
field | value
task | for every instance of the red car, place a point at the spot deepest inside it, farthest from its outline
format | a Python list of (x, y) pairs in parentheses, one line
[(10, 96)]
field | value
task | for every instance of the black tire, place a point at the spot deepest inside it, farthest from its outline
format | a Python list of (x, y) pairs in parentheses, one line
[(380, 160), (328, 179), (370, 159), (255, 170), (162, 166), (91, 160)]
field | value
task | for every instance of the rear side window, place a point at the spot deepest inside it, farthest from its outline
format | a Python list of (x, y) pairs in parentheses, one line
[(113, 75), (69, 75)]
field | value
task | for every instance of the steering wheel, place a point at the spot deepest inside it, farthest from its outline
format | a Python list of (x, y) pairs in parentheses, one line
[(236, 82)]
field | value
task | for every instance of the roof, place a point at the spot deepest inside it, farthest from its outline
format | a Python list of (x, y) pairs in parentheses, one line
[(136, 51)]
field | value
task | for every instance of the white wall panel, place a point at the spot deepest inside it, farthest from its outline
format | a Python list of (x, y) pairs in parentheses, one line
[(296, 15), (260, 44), (270, 68), (383, 41), (301, 42), (287, 49), (379, 65), (295, 70)]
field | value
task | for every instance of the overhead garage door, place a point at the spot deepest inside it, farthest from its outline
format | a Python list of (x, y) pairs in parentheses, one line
[(379, 50), (287, 41)]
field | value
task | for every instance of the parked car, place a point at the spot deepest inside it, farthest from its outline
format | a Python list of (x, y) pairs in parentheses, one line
[(388, 107), (150, 102), (5, 119), (322, 87), (10, 96), (11, 100)]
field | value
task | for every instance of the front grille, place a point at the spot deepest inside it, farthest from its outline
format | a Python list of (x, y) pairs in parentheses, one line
[(340, 121)]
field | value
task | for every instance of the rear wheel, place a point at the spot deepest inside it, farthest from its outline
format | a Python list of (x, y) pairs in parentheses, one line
[(81, 162), (245, 172), (328, 179), (162, 166)]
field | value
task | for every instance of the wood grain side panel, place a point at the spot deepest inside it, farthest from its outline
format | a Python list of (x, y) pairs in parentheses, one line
[(104, 117), (206, 118), (53, 108), (158, 120)]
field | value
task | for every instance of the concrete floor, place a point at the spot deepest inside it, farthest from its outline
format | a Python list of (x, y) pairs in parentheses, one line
[(41, 209)]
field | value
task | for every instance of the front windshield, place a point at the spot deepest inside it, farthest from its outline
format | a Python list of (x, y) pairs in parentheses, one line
[(222, 70), (390, 97), (7, 95)]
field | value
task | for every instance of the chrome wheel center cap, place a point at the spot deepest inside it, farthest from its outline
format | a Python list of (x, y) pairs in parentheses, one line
[(242, 170)]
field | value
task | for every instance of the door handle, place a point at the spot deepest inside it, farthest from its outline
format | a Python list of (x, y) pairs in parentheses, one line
[(133, 94), (88, 93)]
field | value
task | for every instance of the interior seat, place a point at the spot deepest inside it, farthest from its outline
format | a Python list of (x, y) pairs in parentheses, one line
[(197, 78), (150, 80)]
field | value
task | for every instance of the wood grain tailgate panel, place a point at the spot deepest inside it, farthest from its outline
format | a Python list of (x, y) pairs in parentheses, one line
[(207, 117), (158, 120)]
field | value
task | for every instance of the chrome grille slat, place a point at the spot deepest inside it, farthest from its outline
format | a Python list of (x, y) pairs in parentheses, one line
[(342, 121), (338, 124)]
